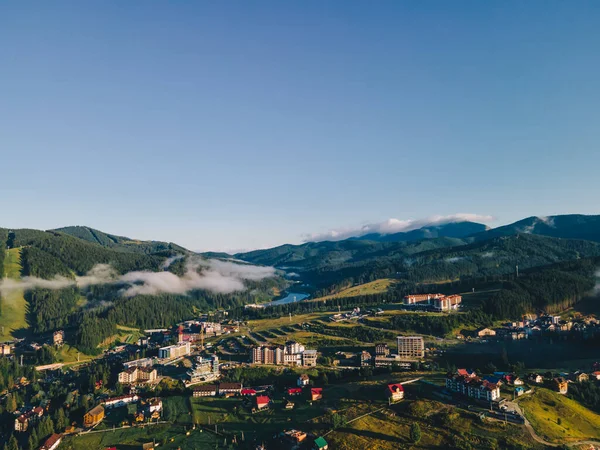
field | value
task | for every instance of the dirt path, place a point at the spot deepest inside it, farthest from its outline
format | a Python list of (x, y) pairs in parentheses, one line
[(541, 440)]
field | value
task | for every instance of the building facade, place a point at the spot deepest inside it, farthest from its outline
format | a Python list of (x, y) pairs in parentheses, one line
[(411, 347), (174, 351), (439, 302), (292, 354), (93, 417), (472, 386), (205, 369)]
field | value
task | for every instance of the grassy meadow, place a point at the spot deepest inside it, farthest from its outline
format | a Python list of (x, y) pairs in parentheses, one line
[(13, 305), (558, 418)]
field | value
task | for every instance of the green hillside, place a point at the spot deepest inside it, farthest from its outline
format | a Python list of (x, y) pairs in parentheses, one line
[(13, 305), (119, 242), (568, 226)]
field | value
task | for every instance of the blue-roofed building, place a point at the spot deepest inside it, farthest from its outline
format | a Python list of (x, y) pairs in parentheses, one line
[(519, 390), (493, 379)]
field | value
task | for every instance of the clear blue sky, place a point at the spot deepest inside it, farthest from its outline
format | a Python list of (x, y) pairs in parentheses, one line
[(227, 125)]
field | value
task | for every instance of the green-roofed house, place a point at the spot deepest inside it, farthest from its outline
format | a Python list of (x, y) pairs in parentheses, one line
[(320, 444)]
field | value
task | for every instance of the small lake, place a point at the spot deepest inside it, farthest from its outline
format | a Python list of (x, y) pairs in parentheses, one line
[(290, 298)]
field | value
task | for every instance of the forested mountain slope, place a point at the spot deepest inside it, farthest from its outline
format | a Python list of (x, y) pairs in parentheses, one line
[(118, 242), (569, 226), (452, 230), (92, 312), (486, 258)]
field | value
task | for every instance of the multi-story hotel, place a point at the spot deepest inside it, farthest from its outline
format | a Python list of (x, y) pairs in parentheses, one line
[(138, 375), (471, 385), (439, 302), (293, 354), (174, 351), (205, 369)]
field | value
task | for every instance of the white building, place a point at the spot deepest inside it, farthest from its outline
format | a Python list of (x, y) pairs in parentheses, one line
[(205, 369), (174, 351), (122, 400)]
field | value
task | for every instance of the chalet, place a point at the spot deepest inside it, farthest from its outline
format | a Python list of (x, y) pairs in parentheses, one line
[(560, 385), (208, 390), (52, 442), (262, 402), (519, 390), (294, 391), (230, 388), (580, 377), (248, 392), (122, 400), (154, 405), (93, 417), (320, 444), (295, 436), (485, 332), (513, 380), (316, 394), (535, 378), (395, 392), (288, 405), (303, 380)]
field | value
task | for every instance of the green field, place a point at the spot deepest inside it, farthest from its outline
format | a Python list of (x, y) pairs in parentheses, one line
[(168, 436), (374, 287), (13, 306), (442, 427), (125, 335), (544, 409)]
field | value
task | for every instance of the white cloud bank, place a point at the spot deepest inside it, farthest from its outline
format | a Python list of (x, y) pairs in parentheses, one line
[(207, 274), (391, 226)]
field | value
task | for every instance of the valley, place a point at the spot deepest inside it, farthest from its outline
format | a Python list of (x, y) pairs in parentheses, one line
[(346, 305)]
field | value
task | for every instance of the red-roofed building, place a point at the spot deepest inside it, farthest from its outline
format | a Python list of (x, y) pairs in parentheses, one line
[(316, 394), (395, 392), (23, 421), (294, 391), (466, 373), (262, 401), (473, 387), (52, 442), (248, 392)]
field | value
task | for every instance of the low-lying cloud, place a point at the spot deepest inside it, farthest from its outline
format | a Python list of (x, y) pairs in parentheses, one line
[(165, 265), (391, 226), (216, 276)]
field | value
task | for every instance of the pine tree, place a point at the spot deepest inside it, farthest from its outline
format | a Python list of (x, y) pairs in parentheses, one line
[(34, 437), (60, 419), (12, 443), (415, 432)]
